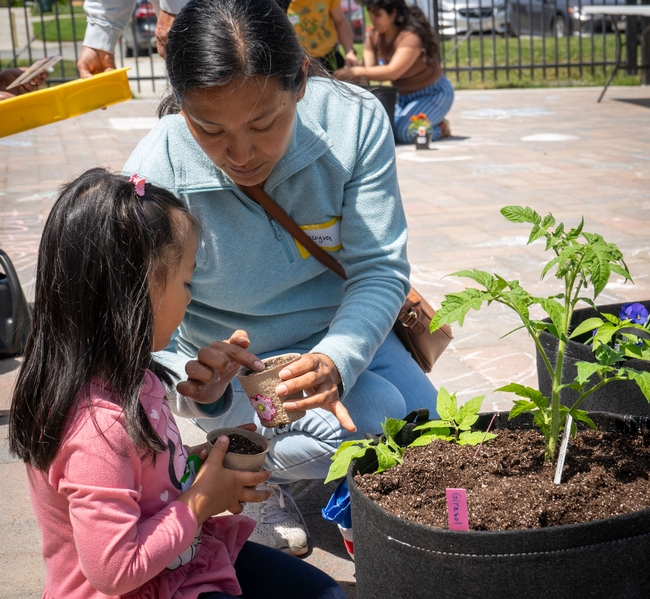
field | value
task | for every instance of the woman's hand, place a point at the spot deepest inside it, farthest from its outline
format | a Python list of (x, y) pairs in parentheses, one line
[(318, 376), (217, 489), (349, 74), (215, 367), (8, 76), (351, 59)]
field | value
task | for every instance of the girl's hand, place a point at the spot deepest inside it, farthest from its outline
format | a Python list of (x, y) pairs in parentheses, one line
[(217, 489), (318, 376), (216, 366)]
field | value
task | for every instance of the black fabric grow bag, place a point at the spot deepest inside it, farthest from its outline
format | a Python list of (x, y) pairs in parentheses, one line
[(398, 559), (621, 397)]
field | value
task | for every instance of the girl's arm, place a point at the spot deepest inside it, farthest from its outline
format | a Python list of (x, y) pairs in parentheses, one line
[(103, 478)]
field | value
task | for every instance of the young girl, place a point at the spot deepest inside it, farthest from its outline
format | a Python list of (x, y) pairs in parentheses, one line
[(105, 462)]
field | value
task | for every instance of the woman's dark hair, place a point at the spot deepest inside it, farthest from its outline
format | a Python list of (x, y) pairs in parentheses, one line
[(102, 248), (411, 18), (215, 42)]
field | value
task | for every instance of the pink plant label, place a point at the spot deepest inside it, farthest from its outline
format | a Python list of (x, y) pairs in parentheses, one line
[(457, 509)]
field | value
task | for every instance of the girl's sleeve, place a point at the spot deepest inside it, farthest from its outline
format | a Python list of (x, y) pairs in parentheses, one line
[(373, 235), (102, 479)]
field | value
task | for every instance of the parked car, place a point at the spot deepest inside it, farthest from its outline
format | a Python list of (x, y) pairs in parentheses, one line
[(140, 33), (555, 17), (464, 17), (354, 14)]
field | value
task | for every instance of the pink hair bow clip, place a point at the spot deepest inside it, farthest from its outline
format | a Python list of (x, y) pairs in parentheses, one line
[(138, 183)]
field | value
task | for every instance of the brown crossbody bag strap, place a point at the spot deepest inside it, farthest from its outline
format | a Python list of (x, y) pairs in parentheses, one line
[(412, 326), (264, 199)]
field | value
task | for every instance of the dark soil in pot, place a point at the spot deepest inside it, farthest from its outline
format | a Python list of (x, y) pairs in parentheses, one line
[(243, 446), (621, 397), (509, 487)]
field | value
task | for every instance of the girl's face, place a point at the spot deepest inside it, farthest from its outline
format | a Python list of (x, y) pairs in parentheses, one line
[(382, 21), (244, 128), (170, 302)]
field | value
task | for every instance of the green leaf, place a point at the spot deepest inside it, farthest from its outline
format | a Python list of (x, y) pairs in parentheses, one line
[(521, 406), (474, 438), (641, 378), (427, 439), (480, 276), (392, 426), (585, 327), (446, 404), (587, 369), (607, 355), (386, 458), (554, 309), (549, 221), (582, 416), (432, 424), (535, 234), (528, 392), (548, 266), (619, 270), (597, 260), (456, 305), (341, 461), (517, 214), (468, 413)]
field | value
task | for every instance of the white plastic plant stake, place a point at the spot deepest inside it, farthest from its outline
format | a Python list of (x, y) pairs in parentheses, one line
[(562, 455)]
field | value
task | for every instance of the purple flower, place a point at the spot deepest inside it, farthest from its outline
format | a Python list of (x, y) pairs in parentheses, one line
[(635, 312)]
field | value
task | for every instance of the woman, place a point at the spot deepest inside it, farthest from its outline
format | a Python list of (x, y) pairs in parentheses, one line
[(402, 48), (251, 115)]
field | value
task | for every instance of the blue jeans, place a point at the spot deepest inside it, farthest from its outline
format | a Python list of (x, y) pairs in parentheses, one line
[(294, 578), (435, 101), (392, 386)]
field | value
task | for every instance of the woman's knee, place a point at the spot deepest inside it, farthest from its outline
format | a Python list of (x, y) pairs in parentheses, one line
[(371, 400)]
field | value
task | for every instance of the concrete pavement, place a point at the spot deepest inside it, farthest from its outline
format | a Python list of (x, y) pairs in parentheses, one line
[(555, 150)]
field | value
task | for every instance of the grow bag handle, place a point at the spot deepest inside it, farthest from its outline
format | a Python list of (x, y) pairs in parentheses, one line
[(420, 415), (634, 331)]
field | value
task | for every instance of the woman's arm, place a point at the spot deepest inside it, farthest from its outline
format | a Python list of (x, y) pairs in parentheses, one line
[(369, 58), (403, 59)]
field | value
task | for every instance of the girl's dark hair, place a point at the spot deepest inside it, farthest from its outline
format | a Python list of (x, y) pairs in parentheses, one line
[(215, 42), (102, 249), (411, 18)]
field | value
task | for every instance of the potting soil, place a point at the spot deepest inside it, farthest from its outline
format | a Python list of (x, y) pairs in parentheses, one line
[(509, 486)]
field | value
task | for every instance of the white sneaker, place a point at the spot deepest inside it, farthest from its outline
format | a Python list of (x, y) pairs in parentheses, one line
[(279, 522)]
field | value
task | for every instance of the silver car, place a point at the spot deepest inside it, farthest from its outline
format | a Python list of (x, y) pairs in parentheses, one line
[(464, 17)]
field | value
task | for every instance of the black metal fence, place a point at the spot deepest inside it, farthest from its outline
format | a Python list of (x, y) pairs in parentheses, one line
[(482, 42)]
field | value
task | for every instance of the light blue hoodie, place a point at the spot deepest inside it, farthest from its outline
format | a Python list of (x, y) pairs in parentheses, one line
[(250, 272)]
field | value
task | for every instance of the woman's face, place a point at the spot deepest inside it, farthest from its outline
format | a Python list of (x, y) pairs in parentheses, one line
[(245, 128), (381, 20)]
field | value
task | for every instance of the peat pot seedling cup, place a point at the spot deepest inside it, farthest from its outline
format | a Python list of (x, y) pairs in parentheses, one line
[(242, 443), (260, 389)]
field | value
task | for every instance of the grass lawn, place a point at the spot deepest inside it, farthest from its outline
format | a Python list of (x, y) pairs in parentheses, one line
[(530, 61), (65, 29)]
